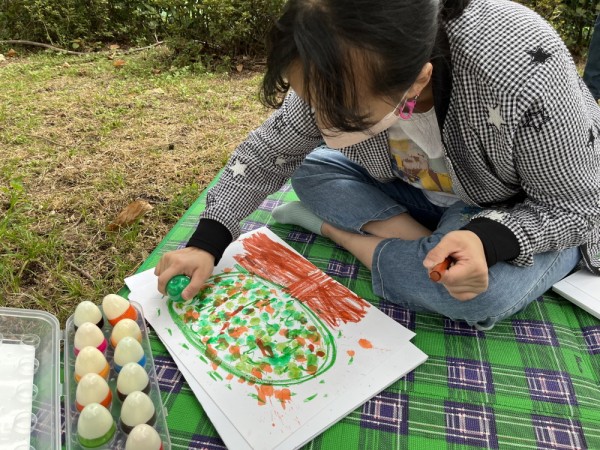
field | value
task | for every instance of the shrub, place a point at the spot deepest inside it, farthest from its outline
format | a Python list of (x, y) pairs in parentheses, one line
[(573, 19), (75, 22), (208, 29)]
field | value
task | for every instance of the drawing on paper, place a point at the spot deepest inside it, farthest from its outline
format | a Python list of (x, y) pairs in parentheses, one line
[(254, 330), (270, 321), (274, 349)]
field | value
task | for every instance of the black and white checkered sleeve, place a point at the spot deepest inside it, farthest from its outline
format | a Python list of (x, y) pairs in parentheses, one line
[(556, 153), (263, 163)]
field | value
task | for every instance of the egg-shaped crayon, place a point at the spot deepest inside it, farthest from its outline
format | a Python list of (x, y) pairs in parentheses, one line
[(89, 334), (125, 327), (95, 427), (91, 360), (143, 437), (92, 388), (137, 409), (117, 308), (128, 350), (132, 377), (176, 285), (87, 311)]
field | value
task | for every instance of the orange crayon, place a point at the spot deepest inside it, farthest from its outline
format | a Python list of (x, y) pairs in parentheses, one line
[(438, 270)]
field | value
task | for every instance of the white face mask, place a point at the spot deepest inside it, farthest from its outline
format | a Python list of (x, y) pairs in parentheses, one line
[(339, 139)]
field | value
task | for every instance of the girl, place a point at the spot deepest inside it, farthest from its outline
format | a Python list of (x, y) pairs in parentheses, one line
[(415, 131)]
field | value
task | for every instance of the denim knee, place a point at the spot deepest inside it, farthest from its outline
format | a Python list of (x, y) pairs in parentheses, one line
[(399, 277)]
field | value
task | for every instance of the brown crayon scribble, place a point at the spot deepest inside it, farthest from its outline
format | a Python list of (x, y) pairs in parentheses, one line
[(331, 301)]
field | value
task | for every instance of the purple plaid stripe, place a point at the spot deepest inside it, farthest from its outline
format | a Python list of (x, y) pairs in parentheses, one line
[(535, 332), (558, 434), (286, 188), (469, 374), (592, 339), (169, 377), (386, 412), (403, 316), (468, 424), (550, 386), (249, 225), (269, 204), (301, 236), (460, 328), (181, 245), (200, 442), (335, 267)]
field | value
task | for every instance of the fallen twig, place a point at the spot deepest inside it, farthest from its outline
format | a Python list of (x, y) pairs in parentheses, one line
[(80, 270), (39, 44), (133, 50)]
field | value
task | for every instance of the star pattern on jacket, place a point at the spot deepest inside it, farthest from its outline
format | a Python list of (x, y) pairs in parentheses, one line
[(280, 161), (278, 124), (494, 117), (592, 138), (538, 56), (238, 168), (536, 119)]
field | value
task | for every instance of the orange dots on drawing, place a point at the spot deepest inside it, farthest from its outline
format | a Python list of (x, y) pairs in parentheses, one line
[(237, 332), (257, 373), (191, 316), (266, 392), (263, 392), (210, 352), (351, 353), (284, 395), (227, 270), (266, 368), (365, 343)]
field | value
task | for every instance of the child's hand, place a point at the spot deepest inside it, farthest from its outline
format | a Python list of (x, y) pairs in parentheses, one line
[(468, 276), (193, 262)]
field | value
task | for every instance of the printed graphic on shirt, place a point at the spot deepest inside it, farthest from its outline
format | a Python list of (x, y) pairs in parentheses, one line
[(415, 167), (418, 154)]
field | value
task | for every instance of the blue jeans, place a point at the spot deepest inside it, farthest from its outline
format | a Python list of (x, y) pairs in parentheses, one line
[(343, 194), (591, 74)]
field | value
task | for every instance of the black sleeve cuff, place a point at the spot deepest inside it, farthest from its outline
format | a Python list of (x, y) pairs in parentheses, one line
[(212, 236), (499, 243)]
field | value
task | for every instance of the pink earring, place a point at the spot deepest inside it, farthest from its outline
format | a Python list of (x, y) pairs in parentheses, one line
[(407, 108)]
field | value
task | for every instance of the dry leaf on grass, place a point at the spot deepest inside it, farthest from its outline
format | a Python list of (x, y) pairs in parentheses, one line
[(130, 214), (11, 53), (118, 63), (239, 67)]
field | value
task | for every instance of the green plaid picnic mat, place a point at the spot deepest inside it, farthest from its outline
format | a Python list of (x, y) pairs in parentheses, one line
[(531, 382)]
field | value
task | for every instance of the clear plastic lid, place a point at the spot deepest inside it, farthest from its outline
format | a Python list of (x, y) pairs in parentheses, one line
[(41, 330)]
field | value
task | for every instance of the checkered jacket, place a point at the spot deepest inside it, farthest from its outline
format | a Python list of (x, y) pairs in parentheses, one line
[(521, 134)]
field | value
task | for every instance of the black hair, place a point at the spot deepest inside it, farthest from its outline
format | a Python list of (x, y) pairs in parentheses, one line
[(330, 39)]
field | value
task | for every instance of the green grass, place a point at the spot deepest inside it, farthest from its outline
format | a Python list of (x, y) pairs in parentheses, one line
[(80, 140)]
